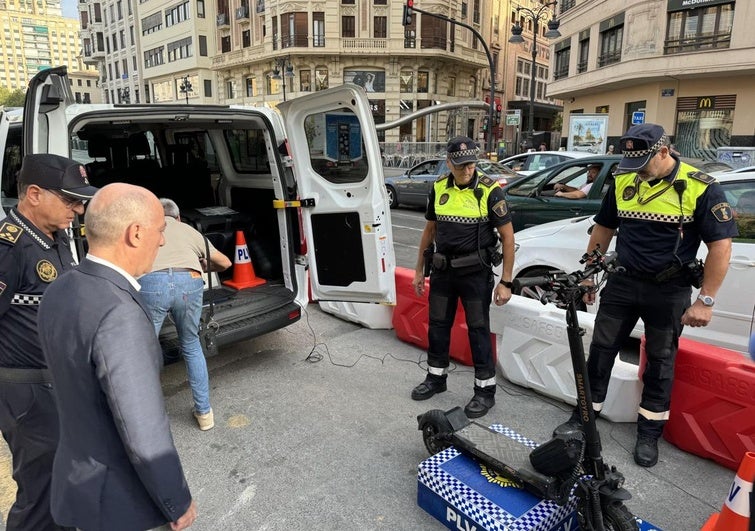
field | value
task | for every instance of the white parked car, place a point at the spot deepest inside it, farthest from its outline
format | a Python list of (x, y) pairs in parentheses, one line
[(560, 244), (529, 163)]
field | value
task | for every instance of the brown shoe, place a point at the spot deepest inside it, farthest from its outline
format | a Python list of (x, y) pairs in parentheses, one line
[(206, 421)]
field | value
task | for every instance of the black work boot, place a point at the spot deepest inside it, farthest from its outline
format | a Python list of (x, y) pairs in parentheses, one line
[(428, 388), (482, 401), (646, 450)]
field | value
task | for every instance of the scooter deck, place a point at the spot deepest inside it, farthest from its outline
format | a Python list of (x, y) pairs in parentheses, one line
[(506, 456)]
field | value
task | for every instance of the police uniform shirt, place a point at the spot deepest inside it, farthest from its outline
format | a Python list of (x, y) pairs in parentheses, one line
[(646, 245), (29, 262), (458, 237)]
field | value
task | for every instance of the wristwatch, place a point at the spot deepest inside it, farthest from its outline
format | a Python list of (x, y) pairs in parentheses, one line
[(506, 283), (707, 300)]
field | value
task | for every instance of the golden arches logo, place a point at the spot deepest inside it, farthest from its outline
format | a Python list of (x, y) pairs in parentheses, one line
[(704, 103)]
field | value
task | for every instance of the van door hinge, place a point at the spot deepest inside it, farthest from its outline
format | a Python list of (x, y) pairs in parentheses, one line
[(299, 203)]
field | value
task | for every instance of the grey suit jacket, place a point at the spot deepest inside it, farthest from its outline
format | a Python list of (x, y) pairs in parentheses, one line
[(116, 467)]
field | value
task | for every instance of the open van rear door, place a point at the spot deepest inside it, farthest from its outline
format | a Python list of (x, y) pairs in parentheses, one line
[(338, 167), (45, 126)]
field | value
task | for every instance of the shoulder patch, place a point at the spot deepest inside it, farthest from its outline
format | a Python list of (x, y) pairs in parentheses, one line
[(701, 176), (722, 212), (501, 208), (486, 181), (10, 233)]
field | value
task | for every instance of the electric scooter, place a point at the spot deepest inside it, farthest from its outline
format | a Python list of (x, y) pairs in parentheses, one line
[(571, 462)]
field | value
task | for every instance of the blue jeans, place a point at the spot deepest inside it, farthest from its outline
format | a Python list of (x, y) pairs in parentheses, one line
[(177, 293)]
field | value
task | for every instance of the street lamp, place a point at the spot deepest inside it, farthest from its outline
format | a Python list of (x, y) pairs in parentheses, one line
[(516, 38), (185, 87), (283, 64)]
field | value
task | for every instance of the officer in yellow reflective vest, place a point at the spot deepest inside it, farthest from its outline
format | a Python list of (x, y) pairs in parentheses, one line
[(466, 216), (664, 209)]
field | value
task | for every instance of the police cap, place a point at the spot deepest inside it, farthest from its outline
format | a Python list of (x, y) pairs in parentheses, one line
[(54, 172), (639, 144), (461, 150)]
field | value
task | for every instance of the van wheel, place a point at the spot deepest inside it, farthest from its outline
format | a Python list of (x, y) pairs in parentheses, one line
[(392, 201)]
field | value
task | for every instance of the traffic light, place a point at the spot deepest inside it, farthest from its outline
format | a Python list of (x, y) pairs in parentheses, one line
[(485, 123), (406, 20), (498, 109)]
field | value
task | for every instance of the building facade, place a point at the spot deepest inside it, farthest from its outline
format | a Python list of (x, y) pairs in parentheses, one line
[(35, 36), (688, 65), (271, 50)]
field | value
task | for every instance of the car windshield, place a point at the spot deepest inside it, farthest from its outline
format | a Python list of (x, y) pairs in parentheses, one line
[(529, 186), (492, 168)]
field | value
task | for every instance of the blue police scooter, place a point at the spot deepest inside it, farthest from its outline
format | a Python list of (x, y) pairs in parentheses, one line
[(568, 463)]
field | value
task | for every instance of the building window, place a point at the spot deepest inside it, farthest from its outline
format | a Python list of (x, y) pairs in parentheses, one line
[(566, 5), (225, 44), (180, 49), (610, 45), (562, 62), (348, 26), (451, 87), (203, 45), (318, 29), (294, 30), (230, 89), (152, 23), (153, 57), (434, 33), (584, 51), (699, 29), (176, 14), (251, 88), (321, 78), (305, 80), (423, 81), (406, 81), (381, 27), (200, 10)]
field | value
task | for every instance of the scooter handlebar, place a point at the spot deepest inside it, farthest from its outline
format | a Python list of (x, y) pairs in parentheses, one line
[(527, 282)]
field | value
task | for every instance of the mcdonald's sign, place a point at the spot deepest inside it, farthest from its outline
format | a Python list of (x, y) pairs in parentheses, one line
[(706, 102)]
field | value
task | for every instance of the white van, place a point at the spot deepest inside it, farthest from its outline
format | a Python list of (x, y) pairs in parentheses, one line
[(244, 169)]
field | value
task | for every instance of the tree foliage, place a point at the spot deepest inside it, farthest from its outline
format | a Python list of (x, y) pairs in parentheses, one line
[(11, 98)]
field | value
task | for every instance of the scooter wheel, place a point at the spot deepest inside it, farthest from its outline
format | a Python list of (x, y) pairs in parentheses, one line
[(616, 517), (435, 429)]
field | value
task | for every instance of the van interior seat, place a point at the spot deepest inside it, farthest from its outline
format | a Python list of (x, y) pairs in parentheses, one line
[(188, 180)]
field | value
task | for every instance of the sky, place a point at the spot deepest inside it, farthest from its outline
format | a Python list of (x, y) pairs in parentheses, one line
[(70, 8)]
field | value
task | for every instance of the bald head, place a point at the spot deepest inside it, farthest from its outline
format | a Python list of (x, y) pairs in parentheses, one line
[(124, 225)]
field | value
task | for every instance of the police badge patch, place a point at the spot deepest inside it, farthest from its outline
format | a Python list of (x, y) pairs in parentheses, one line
[(3, 285), (722, 212), (46, 271), (628, 193), (443, 199), (501, 208), (9, 232)]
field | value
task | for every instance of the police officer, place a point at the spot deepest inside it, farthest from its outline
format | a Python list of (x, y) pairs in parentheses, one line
[(34, 251), (464, 210), (664, 209)]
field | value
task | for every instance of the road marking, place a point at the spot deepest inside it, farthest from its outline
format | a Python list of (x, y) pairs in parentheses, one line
[(408, 228)]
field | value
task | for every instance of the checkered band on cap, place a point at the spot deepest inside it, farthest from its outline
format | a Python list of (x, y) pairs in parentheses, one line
[(645, 152), (464, 153)]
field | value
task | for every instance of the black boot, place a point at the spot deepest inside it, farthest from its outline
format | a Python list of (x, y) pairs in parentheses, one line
[(482, 401), (428, 388), (573, 424), (646, 450)]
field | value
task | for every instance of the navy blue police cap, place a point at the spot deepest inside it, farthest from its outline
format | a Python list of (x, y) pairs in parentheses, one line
[(639, 144), (54, 172), (461, 150)]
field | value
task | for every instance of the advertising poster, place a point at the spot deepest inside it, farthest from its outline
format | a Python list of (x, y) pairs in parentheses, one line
[(372, 81), (587, 132)]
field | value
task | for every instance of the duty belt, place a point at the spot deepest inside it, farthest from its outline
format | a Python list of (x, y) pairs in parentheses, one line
[(24, 376)]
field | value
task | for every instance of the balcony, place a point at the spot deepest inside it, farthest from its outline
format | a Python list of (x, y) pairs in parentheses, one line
[(260, 6), (609, 58), (561, 72), (221, 20), (364, 44), (242, 13), (582, 66), (672, 46)]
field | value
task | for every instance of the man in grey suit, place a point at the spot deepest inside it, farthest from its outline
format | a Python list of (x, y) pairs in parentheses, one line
[(116, 467)]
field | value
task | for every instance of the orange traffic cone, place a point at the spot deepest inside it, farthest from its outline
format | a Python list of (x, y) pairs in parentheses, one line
[(243, 271), (735, 514)]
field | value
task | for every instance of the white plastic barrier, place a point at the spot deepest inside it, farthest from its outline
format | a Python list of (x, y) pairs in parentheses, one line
[(375, 316), (533, 351)]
